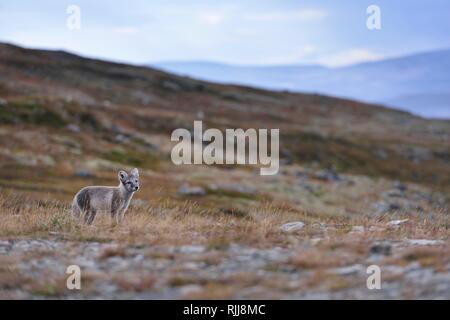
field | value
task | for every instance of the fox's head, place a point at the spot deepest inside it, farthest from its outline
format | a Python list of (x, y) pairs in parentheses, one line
[(129, 181)]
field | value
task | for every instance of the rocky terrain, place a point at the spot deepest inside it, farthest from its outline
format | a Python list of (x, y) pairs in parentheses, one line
[(359, 185), (195, 271)]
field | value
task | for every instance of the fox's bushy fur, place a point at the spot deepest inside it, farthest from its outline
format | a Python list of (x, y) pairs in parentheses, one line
[(114, 200)]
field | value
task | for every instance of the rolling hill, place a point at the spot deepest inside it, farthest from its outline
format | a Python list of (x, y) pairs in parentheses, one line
[(54, 89)]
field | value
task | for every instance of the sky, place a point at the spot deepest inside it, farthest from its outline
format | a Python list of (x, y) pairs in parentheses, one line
[(257, 32)]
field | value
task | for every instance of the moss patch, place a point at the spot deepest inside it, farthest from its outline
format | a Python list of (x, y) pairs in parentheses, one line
[(132, 158), (29, 113)]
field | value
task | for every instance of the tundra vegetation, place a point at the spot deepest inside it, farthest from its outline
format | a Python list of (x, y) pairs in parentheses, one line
[(357, 185)]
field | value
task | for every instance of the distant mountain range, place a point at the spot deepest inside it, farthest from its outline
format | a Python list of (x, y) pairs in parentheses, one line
[(418, 83)]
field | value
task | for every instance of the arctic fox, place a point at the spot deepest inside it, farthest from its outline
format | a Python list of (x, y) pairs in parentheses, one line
[(114, 200)]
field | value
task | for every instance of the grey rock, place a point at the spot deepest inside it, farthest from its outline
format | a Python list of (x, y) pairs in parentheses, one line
[(400, 186), (73, 128), (381, 248), (83, 173), (232, 188), (191, 249), (424, 242), (187, 190), (348, 270), (292, 226), (383, 207), (394, 223), (357, 229), (328, 175)]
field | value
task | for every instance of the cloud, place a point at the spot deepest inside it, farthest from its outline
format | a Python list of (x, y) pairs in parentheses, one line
[(211, 18), (349, 57), (299, 15), (125, 30)]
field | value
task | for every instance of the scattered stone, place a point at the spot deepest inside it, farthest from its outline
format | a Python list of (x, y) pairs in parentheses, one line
[(83, 173), (376, 229), (394, 194), (292, 226), (303, 174), (348, 270), (383, 207), (121, 138), (232, 188), (394, 223), (190, 289), (424, 242), (73, 128), (5, 247), (286, 157), (187, 190), (381, 248), (327, 175), (357, 229), (192, 249), (200, 115), (170, 85), (380, 153), (400, 186)]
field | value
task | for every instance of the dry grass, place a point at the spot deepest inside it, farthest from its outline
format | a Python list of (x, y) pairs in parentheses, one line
[(168, 222)]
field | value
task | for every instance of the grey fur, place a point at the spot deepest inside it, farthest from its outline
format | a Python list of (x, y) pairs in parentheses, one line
[(114, 200)]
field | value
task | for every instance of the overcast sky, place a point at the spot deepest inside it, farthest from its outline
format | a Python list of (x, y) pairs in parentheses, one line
[(328, 32)]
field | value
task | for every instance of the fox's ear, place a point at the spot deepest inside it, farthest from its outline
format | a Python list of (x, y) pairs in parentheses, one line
[(122, 175), (135, 172)]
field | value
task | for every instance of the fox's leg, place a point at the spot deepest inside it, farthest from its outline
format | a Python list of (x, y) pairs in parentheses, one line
[(90, 216), (120, 216), (114, 214)]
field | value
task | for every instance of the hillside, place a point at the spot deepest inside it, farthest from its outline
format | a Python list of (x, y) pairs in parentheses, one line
[(387, 81), (369, 184)]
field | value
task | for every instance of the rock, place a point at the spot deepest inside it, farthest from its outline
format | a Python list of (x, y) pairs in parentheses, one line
[(425, 242), (303, 174), (193, 249), (190, 289), (315, 241), (394, 194), (327, 175), (348, 270), (286, 157), (309, 187), (170, 85), (232, 188), (357, 229), (83, 173), (292, 226), (394, 223), (187, 190), (200, 115), (73, 128), (376, 229), (380, 153), (5, 247), (122, 138), (381, 248), (400, 186), (383, 207)]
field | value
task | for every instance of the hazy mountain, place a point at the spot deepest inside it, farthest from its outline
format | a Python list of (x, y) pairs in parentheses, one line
[(418, 83)]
